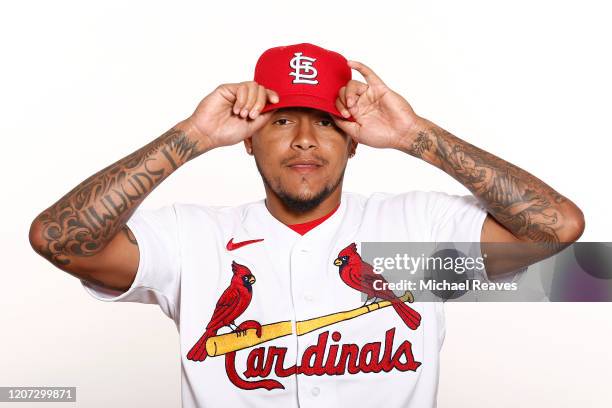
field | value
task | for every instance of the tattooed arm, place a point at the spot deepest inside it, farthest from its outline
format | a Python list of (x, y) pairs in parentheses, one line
[(74, 232), (526, 206), (80, 232), (521, 208)]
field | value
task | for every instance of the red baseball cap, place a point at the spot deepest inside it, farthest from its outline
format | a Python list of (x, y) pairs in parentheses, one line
[(303, 75)]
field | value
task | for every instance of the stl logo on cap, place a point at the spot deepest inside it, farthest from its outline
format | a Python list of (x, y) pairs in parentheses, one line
[(304, 72), (292, 70)]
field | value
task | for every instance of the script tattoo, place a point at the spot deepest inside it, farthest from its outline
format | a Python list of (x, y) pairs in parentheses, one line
[(518, 200), (83, 221)]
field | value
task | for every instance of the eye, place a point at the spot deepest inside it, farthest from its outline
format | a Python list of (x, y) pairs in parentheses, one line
[(327, 123), (283, 120)]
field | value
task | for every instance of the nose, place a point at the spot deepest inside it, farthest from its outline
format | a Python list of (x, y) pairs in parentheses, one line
[(305, 137)]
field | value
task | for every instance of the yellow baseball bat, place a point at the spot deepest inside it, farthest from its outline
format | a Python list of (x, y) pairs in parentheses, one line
[(226, 343)]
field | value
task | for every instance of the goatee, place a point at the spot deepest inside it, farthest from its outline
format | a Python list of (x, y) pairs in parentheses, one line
[(300, 204)]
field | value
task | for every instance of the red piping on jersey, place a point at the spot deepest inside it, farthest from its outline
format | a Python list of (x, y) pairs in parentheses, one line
[(307, 226)]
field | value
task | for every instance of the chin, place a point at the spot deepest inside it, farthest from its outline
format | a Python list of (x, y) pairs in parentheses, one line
[(303, 199), (303, 194)]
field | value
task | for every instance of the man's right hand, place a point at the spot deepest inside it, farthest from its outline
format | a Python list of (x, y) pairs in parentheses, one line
[(231, 113)]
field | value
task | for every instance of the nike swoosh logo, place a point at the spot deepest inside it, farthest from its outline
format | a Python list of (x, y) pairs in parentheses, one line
[(231, 245)]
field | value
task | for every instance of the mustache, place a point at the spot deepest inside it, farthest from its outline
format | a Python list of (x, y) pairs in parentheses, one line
[(313, 156)]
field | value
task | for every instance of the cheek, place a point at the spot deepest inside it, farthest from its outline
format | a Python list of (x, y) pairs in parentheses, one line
[(337, 154), (265, 152), (270, 145), (339, 144)]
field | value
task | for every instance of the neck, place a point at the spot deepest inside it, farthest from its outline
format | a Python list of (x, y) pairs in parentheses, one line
[(288, 217)]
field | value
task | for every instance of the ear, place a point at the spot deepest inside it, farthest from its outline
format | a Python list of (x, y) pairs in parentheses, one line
[(248, 145)]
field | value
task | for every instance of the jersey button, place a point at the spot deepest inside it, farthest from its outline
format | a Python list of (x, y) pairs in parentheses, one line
[(315, 391)]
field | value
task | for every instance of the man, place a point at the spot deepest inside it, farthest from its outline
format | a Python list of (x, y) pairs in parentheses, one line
[(267, 296)]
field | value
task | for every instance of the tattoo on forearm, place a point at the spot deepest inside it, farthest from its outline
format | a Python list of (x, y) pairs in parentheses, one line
[(517, 199), (83, 221), (422, 144)]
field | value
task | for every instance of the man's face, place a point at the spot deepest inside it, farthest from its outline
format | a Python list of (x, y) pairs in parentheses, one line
[(301, 155)]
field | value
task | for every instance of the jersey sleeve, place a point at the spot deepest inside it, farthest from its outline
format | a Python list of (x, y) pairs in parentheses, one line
[(458, 219), (157, 279), (455, 218)]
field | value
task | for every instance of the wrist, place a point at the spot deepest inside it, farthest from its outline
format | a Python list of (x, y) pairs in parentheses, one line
[(192, 132), (408, 140)]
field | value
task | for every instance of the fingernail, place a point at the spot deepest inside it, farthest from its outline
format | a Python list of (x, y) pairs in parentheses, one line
[(346, 114), (275, 99), (244, 113), (253, 113)]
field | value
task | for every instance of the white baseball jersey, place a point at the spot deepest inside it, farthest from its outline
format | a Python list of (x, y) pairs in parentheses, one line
[(208, 266)]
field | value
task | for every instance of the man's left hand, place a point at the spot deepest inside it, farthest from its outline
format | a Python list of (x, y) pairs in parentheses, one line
[(383, 118)]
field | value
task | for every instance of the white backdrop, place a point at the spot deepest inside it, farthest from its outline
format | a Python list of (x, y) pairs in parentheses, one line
[(85, 83)]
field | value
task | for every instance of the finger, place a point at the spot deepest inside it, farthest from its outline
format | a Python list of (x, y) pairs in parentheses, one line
[(251, 98), (229, 92), (367, 73), (241, 97), (348, 127), (264, 95), (258, 122), (272, 96), (342, 95), (342, 108), (354, 89), (260, 102)]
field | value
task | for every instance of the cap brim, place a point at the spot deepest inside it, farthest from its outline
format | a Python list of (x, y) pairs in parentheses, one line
[(305, 101)]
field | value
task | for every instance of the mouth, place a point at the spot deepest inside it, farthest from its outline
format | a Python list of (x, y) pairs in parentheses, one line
[(337, 262), (303, 166), (252, 280)]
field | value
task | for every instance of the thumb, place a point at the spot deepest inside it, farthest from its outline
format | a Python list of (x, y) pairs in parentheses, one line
[(258, 122), (347, 126)]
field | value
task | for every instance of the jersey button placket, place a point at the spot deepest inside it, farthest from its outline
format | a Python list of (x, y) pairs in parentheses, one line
[(308, 296), (301, 279), (298, 265)]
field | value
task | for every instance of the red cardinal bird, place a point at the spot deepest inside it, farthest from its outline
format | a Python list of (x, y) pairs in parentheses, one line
[(360, 275), (232, 303)]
